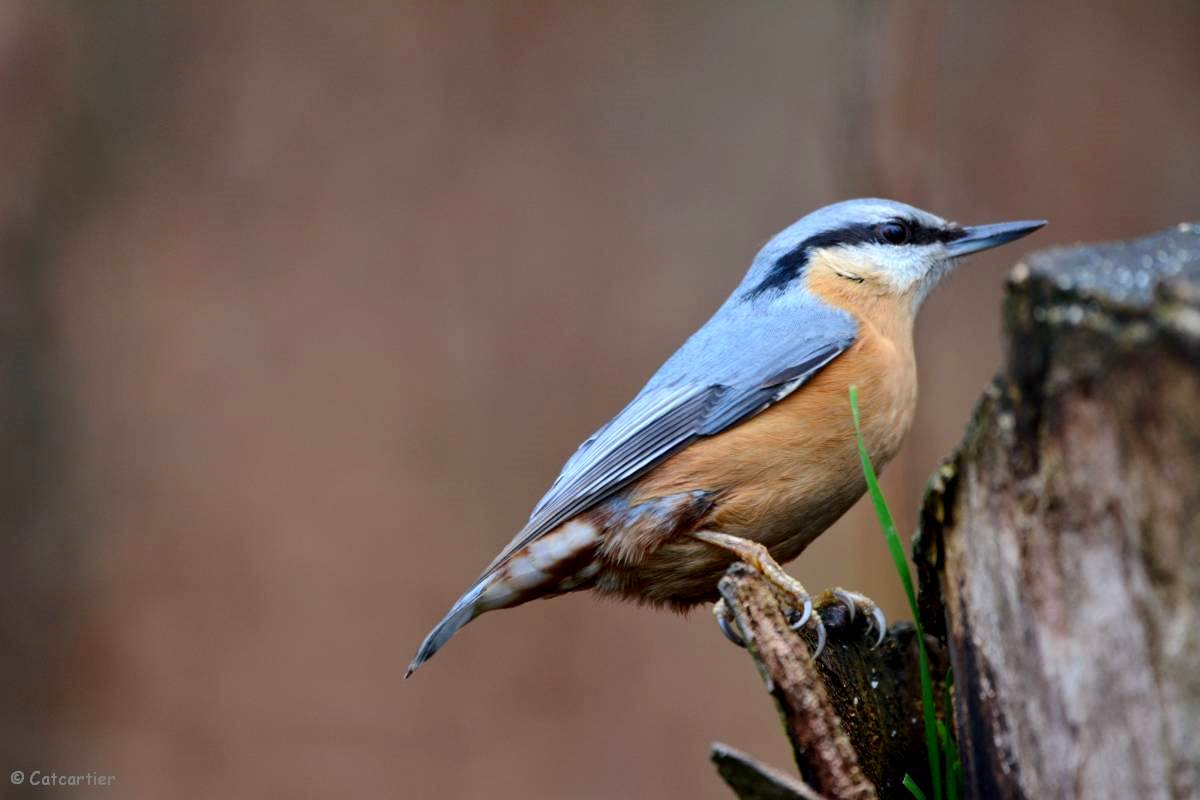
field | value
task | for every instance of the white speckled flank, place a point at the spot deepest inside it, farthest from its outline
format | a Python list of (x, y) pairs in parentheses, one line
[(540, 567), (563, 544)]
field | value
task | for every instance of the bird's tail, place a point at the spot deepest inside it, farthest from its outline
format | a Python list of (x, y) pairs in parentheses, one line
[(560, 561), (496, 588), (466, 609)]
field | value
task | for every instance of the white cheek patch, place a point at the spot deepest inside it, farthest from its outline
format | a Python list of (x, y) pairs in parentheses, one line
[(901, 267), (935, 273)]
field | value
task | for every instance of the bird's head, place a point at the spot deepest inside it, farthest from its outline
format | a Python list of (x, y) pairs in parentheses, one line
[(878, 247)]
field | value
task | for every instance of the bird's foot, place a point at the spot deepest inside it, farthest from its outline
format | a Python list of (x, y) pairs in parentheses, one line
[(795, 619), (727, 623), (842, 607), (798, 603), (812, 619), (839, 601)]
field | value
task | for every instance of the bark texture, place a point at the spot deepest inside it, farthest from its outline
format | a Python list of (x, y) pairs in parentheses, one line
[(1060, 546), (853, 716)]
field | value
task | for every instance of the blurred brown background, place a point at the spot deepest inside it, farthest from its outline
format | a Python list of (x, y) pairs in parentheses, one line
[(303, 305)]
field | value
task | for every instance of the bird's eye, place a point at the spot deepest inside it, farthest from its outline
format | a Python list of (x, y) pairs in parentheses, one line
[(894, 232)]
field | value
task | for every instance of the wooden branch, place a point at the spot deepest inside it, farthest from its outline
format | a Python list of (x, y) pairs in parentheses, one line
[(751, 780), (1061, 544), (823, 752), (853, 716)]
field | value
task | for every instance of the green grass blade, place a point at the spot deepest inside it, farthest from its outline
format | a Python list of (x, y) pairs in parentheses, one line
[(881, 508), (901, 561), (954, 781), (947, 745), (912, 787)]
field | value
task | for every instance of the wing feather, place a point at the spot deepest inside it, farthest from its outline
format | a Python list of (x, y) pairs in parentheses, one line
[(745, 375)]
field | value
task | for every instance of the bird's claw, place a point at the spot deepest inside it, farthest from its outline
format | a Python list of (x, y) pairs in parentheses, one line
[(809, 617), (805, 614), (855, 602), (795, 619), (820, 626), (880, 623), (726, 623), (847, 600)]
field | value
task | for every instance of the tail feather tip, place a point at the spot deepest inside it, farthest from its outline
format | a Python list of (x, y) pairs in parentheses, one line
[(463, 612)]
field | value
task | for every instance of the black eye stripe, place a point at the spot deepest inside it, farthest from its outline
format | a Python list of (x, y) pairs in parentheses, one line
[(921, 234), (791, 265)]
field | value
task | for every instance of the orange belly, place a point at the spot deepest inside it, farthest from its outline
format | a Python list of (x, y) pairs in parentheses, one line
[(780, 478)]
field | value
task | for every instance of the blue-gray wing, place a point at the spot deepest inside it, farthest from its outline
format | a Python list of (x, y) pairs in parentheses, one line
[(733, 368)]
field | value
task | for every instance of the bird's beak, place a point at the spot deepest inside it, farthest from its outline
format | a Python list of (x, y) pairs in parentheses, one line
[(982, 237)]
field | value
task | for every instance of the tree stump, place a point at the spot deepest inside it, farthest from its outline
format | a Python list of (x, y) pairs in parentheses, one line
[(1058, 558), (1060, 546)]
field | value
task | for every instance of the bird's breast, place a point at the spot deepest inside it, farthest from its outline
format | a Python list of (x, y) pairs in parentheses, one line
[(785, 475)]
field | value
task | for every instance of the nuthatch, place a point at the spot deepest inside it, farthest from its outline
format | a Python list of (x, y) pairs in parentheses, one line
[(742, 446)]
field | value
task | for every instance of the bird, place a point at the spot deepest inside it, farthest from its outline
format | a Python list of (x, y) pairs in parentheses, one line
[(741, 446)]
